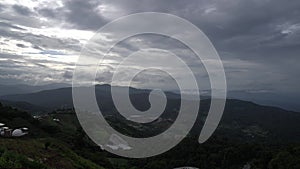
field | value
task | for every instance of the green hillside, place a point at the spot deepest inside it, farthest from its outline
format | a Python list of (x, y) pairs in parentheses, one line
[(63, 144), (43, 147)]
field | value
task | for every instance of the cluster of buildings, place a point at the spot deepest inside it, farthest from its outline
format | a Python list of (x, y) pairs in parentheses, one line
[(56, 120), (45, 116), (8, 132)]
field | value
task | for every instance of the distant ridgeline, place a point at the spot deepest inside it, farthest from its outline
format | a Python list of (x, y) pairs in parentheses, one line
[(242, 120)]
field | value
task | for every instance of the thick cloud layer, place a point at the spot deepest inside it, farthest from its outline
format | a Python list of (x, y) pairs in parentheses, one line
[(258, 40)]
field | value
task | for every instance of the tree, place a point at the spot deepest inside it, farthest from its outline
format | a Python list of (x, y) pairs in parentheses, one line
[(47, 144)]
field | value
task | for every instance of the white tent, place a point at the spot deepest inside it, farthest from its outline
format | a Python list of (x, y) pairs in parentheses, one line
[(18, 133)]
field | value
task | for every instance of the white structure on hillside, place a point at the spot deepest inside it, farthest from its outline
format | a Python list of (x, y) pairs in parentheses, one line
[(37, 117), (18, 133), (7, 132), (56, 120), (116, 142), (2, 127)]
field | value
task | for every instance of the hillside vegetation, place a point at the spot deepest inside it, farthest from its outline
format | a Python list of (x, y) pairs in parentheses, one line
[(63, 144)]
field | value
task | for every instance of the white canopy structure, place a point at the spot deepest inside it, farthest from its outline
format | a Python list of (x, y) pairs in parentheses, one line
[(18, 133), (116, 142)]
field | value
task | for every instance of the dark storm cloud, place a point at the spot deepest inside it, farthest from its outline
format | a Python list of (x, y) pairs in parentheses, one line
[(15, 16), (37, 47), (83, 14), (50, 13), (22, 10), (80, 14), (21, 45), (68, 75), (258, 40), (234, 25), (8, 25), (249, 27)]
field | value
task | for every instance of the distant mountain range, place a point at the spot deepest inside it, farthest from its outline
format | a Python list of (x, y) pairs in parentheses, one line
[(58, 94), (62, 97), (24, 88), (288, 101), (244, 118)]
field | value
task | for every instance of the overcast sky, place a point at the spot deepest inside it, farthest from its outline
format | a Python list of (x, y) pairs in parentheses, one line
[(257, 40)]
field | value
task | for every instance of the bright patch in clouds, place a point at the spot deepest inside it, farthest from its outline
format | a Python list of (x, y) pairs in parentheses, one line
[(32, 4)]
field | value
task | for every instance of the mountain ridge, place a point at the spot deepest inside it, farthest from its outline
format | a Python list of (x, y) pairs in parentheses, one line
[(246, 117)]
